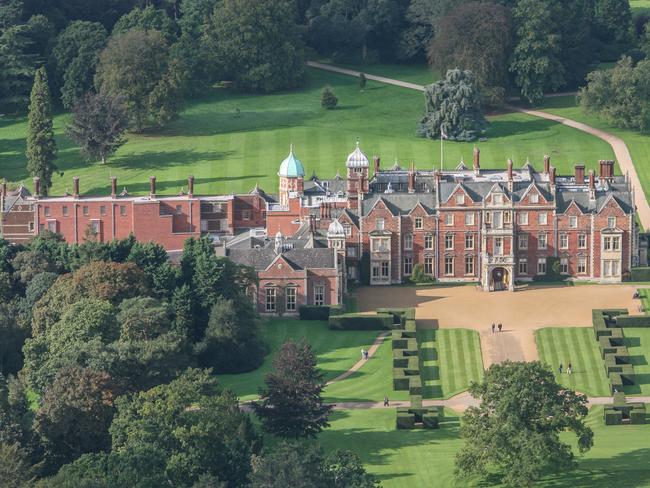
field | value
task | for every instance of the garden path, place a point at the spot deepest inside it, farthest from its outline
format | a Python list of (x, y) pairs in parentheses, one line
[(618, 145), (357, 366)]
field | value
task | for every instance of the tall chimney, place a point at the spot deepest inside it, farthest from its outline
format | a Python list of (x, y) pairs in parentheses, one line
[(152, 186), (190, 186), (580, 174), (375, 159), (37, 186), (552, 175), (547, 164), (75, 186), (477, 160), (610, 171), (113, 186), (592, 185), (412, 179), (603, 166), (510, 169), (4, 188)]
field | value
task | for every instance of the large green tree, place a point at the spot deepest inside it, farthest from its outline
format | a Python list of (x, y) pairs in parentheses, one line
[(232, 341), (16, 470), (17, 65), (258, 44), (98, 125), (291, 404), (613, 19), (475, 36), (75, 414), (132, 66), (620, 95), (195, 430), (536, 60), (147, 18), (516, 428), (452, 105), (75, 56), (41, 146)]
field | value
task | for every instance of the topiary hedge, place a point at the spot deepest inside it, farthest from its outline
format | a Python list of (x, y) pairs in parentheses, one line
[(613, 417), (314, 312), (417, 416), (355, 321)]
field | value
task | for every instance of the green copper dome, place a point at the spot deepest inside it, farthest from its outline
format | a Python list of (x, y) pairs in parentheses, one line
[(291, 167)]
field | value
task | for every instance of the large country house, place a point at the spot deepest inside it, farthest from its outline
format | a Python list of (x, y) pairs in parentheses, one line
[(468, 224)]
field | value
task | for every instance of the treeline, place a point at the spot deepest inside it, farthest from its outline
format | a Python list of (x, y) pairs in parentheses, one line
[(107, 360), (179, 48)]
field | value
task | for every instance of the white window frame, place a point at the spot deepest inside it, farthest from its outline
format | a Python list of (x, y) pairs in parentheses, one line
[(611, 222), (542, 218), (469, 218), (522, 241), (564, 265), (460, 199), (449, 219), (470, 268), (418, 222), (469, 241), (541, 266), (573, 222), (564, 241), (542, 241), (428, 265), (428, 241), (534, 198), (449, 242), (290, 302), (319, 295), (408, 242), (523, 218), (408, 265), (380, 223), (270, 299), (449, 265), (582, 265), (523, 266), (582, 241)]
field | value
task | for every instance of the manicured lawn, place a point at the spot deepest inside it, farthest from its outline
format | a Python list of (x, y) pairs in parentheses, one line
[(578, 346), (638, 144), (640, 4), (450, 359), (337, 351), (644, 295), (370, 383), (425, 458), (229, 142), (637, 340)]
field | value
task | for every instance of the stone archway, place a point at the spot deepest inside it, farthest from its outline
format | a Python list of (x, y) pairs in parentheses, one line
[(500, 279)]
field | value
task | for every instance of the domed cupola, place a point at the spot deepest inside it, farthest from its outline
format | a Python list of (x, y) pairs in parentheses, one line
[(291, 167), (356, 159), (335, 229)]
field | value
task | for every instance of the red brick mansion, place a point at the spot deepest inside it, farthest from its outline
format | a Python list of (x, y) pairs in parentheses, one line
[(463, 225)]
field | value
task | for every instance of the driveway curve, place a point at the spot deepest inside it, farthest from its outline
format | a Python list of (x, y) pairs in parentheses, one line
[(618, 145)]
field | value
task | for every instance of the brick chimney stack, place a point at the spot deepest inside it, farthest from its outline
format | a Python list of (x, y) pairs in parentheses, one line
[(4, 188), (75, 186), (610, 169), (510, 164), (477, 160), (580, 174), (37, 186), (375, 160), (152, 187), (113, 186), (547, 164), (551, 176), (412, 179), (190, 186), (592, 185), (603, 168)]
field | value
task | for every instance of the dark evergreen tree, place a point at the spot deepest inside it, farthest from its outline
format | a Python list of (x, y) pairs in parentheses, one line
[(98, 125), (291, 405), (453, 104), (327, 98), (17, 67), (41, 146)]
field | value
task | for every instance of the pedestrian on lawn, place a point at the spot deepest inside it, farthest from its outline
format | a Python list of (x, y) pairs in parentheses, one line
[(500, 326), (569, 369), (560, 368), (493, 327), (385, 400), (363, 353)]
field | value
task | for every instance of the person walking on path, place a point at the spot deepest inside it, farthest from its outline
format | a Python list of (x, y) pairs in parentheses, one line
[(385, 400), (500, 326), (365, 354), (560, 368), (493, 327), (568, 369)]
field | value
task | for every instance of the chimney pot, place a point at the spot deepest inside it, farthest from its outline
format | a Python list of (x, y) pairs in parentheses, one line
[(547, 163), (603, 166), (190, 186), (477, 159), (113, 186), (510, 169), (611, 169), (152, 186), (37, 186), (376, 161), (75, 186), (580, 174)]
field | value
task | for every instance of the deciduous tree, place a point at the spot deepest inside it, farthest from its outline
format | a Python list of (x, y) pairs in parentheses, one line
[(291, 405), (41, 146), (517, 426), (99, 122), (147, 18)]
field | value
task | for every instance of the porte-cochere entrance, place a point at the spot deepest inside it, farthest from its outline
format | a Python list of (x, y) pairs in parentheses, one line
[(500, 279)]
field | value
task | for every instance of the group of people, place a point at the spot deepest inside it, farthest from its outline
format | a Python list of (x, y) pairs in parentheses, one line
[(496, 327), (364, 353), (569, 368)]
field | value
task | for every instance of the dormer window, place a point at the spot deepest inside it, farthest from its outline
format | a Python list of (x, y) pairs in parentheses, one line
[(611, 222), (379, 223), (498, 199), (534, 198), (460, 199), (418, 222)]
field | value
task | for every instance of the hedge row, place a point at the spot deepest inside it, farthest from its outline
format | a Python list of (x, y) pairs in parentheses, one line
[(641, 274), (355, 321), (319, 312), (406, 360), (621, 412), (412, 417)]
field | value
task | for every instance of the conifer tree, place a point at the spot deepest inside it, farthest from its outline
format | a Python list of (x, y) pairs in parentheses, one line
[(41, 146)]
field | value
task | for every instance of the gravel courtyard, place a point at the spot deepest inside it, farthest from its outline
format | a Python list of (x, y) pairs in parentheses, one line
[(521, 312)]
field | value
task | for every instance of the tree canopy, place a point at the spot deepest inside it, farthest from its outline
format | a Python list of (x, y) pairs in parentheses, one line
[(453, 105), (517, 426)]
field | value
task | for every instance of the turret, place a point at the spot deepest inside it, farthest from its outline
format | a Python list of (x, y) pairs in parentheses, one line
[(292, 177)]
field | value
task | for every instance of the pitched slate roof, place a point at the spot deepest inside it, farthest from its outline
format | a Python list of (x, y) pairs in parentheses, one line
[(400, 203), (298, 259)]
